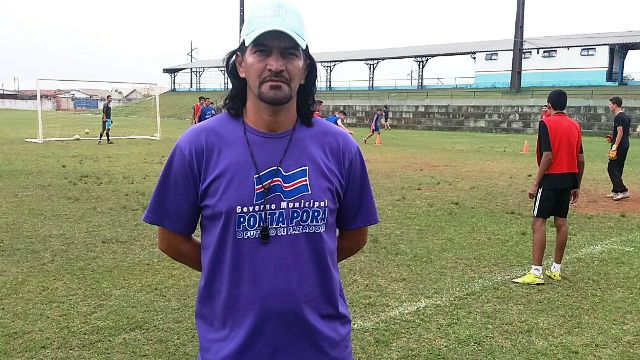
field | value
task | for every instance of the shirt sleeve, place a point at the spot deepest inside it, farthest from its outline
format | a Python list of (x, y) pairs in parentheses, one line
[(174, 204), (544, 143), (617, 121), (357, 209)]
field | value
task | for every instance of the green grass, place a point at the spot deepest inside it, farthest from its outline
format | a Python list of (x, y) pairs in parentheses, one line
[(82, 277)]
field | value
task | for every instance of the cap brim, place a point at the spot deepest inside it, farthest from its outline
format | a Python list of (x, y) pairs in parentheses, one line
[(249, 38)]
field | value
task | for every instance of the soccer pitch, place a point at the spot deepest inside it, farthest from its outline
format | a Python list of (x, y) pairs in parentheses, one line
[(82, 276)]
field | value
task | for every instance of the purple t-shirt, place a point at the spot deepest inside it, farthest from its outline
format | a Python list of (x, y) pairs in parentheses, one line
[(284, 299)]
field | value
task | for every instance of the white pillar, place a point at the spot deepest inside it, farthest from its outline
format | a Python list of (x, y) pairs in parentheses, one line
[(39, 111), (158, 114)]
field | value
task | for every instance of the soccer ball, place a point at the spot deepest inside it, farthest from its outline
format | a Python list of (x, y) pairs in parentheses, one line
[(86, 131), (77, 137)]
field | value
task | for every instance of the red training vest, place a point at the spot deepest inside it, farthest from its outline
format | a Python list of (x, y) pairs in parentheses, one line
[(565, 138)]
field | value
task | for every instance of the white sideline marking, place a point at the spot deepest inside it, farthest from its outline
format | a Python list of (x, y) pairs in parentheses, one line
[(405, 309)]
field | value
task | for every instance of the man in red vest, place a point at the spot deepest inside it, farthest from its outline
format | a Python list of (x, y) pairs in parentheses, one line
[(545, 112), (560, 169)]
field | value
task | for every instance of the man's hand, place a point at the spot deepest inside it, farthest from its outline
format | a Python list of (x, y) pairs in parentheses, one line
[(575, 194), (533, 191), (609, 139)]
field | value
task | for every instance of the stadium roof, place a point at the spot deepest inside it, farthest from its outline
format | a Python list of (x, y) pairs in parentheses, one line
[(629, 38)]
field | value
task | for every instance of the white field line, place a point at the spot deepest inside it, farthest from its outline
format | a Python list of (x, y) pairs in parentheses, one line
[(486, 282)]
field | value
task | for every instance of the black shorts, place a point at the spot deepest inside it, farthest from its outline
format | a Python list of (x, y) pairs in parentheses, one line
[(551, 202)]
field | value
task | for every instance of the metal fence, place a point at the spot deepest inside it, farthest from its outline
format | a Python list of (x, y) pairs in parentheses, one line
[(603, 94)]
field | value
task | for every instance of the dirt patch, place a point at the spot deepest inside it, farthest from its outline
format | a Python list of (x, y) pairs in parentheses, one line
[(594, 202)]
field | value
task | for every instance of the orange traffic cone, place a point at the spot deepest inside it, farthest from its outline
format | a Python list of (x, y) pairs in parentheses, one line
[(525, 148)]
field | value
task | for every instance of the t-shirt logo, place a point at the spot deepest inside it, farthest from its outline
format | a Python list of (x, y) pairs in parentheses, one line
[(289, 185)]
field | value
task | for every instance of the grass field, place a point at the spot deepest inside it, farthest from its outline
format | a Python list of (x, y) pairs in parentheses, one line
[(82, 277)]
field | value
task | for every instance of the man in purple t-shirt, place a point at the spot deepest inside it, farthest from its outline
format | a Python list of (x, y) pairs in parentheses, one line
[(281, 199)]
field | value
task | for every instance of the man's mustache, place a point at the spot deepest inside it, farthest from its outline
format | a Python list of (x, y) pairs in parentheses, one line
[(275, 78)]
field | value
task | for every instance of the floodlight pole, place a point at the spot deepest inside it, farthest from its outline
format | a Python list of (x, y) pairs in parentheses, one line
[(518, 43), (241, 19)]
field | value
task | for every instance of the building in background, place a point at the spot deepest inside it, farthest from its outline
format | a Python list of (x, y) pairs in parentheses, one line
[(566, 60)]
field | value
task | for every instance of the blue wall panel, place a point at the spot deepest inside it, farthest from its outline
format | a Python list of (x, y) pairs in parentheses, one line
[(545, 78)]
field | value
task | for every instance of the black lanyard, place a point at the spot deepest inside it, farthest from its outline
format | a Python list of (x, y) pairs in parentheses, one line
[(264, 229)]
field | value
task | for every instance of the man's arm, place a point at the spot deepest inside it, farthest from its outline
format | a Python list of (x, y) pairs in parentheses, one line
[(545, 162), (618, 136), (351, 241), (341, 126), (104, 114), (181, 248), (575, 193)]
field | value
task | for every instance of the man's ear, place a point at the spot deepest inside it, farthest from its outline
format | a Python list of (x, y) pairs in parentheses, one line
[(306, 69), (240, 65)]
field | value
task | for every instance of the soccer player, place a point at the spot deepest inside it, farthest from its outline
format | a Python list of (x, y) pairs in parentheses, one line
[(619, 149), (545, 112), (317, 107), (269, 185), (337, 119), (106, 120), (375, 127), (557, 183), (197, 108), (207, 111), (387, 126)]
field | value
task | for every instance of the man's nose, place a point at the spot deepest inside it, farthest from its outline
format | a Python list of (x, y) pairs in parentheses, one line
[(275, 63)]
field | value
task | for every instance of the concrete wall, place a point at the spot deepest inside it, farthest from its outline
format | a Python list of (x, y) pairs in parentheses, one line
[(483, 115), (47, 104)]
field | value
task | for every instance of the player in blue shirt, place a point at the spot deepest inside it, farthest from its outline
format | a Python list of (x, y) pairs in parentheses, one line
[(207, 110), (337, 120)]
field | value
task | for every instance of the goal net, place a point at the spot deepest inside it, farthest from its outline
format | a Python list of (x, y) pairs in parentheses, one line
[(73, 110)]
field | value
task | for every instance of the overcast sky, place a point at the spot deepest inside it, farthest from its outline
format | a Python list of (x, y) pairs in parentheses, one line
[(133, 40)]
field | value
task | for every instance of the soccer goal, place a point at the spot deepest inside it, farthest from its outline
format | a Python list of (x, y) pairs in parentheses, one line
[(70, 110)]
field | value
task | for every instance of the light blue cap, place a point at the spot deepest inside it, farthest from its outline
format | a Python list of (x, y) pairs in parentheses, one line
[(273, 16)]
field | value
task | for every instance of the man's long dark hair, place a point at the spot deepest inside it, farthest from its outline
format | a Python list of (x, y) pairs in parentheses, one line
[(236, 99)]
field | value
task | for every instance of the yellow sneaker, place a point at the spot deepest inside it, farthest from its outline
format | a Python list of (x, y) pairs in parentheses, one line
[(555, 275), (529, 279)]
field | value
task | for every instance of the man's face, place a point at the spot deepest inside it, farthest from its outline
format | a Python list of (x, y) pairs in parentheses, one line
[(545, 109), (202, 101), (274, 68), (341, 116), (207, 102), (109, 100), (612, 107)]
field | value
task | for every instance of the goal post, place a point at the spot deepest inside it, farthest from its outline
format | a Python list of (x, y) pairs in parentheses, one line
[(73, 109)]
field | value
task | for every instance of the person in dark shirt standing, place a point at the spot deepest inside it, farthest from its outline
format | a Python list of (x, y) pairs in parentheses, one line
[(560, 168), (106, 120), (387, 126), (619, 148)]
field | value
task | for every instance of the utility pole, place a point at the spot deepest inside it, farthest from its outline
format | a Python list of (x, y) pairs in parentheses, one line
[(241, 19), (518, 43), (191, 59)]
